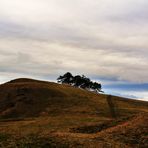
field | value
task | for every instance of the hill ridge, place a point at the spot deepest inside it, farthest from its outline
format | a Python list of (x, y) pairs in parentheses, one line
[(39, 114), (29, 97)]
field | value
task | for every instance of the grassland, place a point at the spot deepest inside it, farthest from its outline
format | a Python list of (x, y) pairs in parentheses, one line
[(44, 114)]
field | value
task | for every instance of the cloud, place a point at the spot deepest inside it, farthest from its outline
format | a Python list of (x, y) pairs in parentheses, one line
[(106, 40), (44, 58)]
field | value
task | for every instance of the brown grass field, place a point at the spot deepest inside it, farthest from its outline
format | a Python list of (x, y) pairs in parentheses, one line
[(38, 114)]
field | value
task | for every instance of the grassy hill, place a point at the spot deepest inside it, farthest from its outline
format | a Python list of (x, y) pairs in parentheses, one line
[(45, 114)]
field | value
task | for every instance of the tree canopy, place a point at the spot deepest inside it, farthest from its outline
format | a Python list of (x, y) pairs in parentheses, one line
[(79, 81)]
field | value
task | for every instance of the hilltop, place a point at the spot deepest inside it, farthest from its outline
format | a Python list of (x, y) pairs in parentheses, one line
[(55, 114)]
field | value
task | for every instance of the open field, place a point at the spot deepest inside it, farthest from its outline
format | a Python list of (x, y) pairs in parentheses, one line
[(44, 114)]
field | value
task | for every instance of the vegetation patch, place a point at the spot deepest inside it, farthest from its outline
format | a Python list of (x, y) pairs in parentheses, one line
[(4, 137), (33, 141), (98, 127)]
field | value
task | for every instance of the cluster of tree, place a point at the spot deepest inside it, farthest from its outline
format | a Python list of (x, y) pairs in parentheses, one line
[(79, 81)]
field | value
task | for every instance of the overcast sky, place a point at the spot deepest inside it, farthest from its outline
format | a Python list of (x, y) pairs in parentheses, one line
[(107, 40)]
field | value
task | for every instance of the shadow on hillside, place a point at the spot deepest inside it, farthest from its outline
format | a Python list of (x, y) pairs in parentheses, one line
[(99, 127)]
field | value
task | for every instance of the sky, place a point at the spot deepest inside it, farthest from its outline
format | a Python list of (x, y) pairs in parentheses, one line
[(106, 40)]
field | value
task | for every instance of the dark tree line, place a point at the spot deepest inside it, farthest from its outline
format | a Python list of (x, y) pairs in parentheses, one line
[(79, 81)]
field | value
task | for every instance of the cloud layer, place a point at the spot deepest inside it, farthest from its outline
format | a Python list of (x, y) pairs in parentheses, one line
[(103, 39)]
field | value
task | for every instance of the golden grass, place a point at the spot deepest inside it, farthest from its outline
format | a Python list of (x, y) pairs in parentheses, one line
[(47, 114)]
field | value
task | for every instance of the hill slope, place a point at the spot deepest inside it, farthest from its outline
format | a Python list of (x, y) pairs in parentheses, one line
[(28, 98), (54, 115)]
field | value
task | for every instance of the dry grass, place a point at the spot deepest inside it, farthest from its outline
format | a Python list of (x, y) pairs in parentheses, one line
[(42, 114)]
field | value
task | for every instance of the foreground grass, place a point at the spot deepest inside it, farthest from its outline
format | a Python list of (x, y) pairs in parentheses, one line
[(75, 131)]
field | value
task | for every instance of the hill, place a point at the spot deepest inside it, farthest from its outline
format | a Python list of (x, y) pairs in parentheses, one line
[(47, 113)]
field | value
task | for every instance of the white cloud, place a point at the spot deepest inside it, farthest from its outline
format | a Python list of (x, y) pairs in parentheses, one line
[(100, 38)]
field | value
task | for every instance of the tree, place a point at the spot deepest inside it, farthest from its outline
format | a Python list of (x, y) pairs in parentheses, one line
[(79, 81), (96, 86), (86, 82), (66, 78)]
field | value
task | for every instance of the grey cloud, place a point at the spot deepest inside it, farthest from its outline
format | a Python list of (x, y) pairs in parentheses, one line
[(23, 63), (93, 37), (136, 12)]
